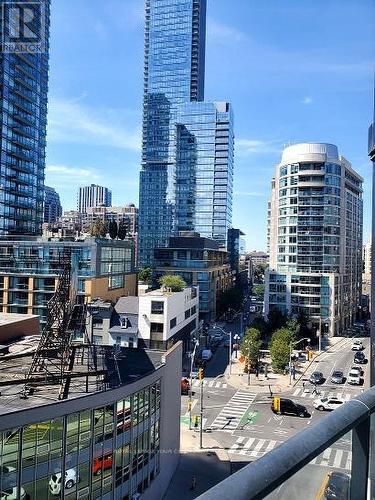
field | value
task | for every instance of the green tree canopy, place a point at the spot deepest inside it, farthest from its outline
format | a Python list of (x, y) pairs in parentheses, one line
[(113, 229), (145, 275), (251, 344), (172, 282), (98, 229), (280, 347), (121, 233), (276, 319), (258, 291)]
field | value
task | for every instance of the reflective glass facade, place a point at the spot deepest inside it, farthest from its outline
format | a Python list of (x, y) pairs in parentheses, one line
[(109, 451), (315, 230), (23, 120)]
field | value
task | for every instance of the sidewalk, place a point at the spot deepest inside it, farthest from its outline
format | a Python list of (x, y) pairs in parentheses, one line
[(209, 466)]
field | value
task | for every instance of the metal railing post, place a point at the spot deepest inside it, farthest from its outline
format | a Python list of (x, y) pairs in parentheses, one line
[(360, 460)]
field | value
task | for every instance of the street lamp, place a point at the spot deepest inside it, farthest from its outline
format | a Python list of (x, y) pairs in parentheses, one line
[(230, 346), (292, 344)]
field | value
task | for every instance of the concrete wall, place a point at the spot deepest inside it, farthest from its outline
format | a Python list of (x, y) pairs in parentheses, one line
[(169, 425), (98, 288), (17, 325)]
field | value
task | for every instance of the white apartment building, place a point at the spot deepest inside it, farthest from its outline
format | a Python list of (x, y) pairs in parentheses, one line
[(166, 317), (315, 236), (93, 196)]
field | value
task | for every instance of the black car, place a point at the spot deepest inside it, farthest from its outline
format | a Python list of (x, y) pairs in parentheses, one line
[(284, 406), (316, 378), (337, 486), (359, 358)]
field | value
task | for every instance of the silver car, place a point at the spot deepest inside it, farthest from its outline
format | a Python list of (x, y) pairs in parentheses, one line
[(337, 377)]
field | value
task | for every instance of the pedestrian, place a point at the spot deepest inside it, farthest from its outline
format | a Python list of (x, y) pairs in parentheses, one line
[(314, 390), (193, 483), (303, 385)]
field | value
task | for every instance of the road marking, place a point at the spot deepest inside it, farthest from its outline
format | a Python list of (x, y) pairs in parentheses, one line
[(326, 455), (193, 403), (257, 448), (211, 383), (236, 408), (246, 446), (338, 457), (260, 446)]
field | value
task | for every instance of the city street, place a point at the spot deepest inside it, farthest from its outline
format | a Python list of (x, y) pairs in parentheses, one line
[(242, 422)]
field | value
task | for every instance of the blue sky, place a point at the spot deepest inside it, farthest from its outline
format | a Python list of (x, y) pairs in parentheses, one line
[(294, 70)]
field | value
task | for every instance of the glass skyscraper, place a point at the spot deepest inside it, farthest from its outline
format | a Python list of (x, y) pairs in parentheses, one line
[(187, 153), (23, 118)]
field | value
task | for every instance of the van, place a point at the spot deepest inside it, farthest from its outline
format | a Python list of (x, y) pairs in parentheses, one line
[(206, 354)]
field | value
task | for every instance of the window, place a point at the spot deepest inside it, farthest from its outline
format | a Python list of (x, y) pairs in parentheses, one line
[(157, 307), (157, 328), (193, 310), (187, 313), (173, 323)]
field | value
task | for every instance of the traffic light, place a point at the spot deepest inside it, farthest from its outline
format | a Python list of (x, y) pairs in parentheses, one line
[(276, 404), (311, 355), (200, 374)]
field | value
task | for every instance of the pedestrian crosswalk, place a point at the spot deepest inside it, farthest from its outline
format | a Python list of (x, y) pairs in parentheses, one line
[(336, 458), (230, 416), (256, 448), (210, 383), (252, 447), (308, 393)]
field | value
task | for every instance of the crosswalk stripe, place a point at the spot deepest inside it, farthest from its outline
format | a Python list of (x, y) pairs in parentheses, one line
[(271, 445), (257, 448), (211, 383), (235, 408), (246, 447), (337, 459), (348, 464)]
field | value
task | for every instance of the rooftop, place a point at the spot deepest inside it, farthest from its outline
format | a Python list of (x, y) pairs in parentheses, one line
[(11, 318), (116, 366)]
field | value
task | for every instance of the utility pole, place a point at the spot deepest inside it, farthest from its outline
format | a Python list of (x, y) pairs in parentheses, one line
[(191, 383), (230, 353), (248, 363), (320, 334), (201, 416)]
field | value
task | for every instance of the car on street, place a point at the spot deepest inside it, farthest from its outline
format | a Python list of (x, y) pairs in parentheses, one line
[(337, 377), (327, 404), (357, 345), (354, 378), (206, 354), (357, 369), (337, 486), (216, 337), (289, 407), (359, 358), (71, 478), (185, 386), (316, 378)]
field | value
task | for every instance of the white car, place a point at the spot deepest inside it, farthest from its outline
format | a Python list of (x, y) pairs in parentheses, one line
[(328, 403), (357, 345), (357, 369), (354, 377), (71, 478)]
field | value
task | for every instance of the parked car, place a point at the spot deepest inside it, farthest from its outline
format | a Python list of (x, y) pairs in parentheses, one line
[(206, 354), (328, 404), (337, 487), (359, 358), (357, 345), (216, 337), (71, 478), (357, 369), (9, 492), (185, 386), (102, 463), (337, 377), (354, 378), (289, 407), (316, 378)]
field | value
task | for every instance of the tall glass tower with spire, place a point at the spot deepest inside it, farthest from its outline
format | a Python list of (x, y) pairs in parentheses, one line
[(179, 129)]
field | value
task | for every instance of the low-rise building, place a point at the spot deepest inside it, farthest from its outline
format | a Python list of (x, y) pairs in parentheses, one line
[(115, 435), (200, 262), (29, 269), (13, 326)]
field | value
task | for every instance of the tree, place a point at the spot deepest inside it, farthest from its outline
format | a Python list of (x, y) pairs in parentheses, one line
[(258, 272), (230, 299), (276, 319), (251, 344), (260, 324), (258, 291), (172, 282), (98, 229), (280, 348), (145, 275), (113, 229), (121, 233)]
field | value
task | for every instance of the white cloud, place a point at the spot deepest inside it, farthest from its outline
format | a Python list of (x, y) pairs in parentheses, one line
[(245, 147), (306, 100), (63, 175), (222, 33), (69, 121)]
